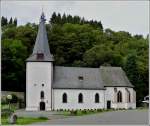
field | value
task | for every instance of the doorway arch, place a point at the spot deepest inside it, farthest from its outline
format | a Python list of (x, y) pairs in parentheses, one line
[(42, 106)]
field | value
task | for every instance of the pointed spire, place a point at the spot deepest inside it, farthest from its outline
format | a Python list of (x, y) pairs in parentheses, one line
[(42, 17), (41, 49)]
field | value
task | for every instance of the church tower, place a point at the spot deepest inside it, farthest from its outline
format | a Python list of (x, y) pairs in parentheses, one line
[(39, 73)]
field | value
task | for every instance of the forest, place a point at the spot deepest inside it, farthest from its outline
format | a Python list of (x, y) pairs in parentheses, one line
[(74, 41)]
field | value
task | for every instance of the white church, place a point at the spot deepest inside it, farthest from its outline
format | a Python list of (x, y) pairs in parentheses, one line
[(50, 87)]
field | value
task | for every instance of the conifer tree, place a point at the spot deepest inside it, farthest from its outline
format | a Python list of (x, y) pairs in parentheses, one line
[(11, 21), (15, 21), (64, 19), (53, 18), (4, 21)]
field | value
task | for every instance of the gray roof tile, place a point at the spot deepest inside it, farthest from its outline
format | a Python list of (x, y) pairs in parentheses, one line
[(114, 76), (68, 77), (41, 44), (93, 78)]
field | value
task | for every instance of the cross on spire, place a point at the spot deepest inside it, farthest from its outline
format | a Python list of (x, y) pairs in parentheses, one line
[(42, 17)]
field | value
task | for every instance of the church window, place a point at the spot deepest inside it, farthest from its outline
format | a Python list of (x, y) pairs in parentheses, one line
[(146, 98), (80, 77), (80, 98), (96, 98), (40, 55), (42, 85), (128, 96), (42, 94), (64, 98), (119, 96)]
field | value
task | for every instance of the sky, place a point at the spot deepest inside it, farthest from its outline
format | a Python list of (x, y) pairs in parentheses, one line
[(131, 16)]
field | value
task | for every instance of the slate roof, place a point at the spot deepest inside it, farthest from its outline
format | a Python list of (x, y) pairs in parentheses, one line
[(114, 76), (41, 44), (68, 77), (93, 78)]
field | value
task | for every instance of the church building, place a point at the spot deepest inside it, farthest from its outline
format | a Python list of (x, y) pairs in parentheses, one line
[(50, 87)]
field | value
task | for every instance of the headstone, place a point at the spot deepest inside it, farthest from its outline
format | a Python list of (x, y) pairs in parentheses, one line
[(13, 119)]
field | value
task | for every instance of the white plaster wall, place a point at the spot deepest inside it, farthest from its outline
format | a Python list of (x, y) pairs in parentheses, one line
[(72, 99), (110, 95), (38, 73)]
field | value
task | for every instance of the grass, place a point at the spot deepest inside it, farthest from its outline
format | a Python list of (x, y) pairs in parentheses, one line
[(6, 106), (142, 108), (24, 120)]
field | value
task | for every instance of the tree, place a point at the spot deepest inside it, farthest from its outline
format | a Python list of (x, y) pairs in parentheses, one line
[(11, 21), (4, 21), (53, 18), (138, 36), (9, 33), (76, 20), (58, 19), (13, 66), (100, 25), (131, 68), (15, 21), (82, 20), (100, 55), (64, 19), (69, 19), (134, 76)]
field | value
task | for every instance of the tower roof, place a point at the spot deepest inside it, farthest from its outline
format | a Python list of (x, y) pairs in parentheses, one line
[(41, 47)]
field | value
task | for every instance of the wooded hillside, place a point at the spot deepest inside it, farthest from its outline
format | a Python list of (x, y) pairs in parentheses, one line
[(74, 41)]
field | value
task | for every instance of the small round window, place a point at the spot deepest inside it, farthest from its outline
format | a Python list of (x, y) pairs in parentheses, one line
[(42, 85)]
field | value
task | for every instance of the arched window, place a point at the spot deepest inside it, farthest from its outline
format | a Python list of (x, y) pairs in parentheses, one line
[(119, 96), (80, 98), (96, 98), (129, 96), (42, 94), (64, 98)]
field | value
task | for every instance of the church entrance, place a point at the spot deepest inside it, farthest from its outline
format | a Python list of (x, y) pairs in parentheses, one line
[(108, 104), (42, 106)]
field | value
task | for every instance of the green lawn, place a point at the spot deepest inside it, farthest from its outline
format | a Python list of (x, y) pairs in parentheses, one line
[(24, 120)]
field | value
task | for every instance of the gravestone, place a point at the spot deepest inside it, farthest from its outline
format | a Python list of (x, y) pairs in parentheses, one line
[(13, 119)]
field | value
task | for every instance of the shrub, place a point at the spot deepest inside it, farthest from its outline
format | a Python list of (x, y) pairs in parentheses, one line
[(3, 101), (43, 118), (73, 112), (99, 110), (6, 112), (84, 111), (91, 110)]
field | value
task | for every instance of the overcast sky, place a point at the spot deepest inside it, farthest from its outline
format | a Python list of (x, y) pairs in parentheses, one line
[(131, 16)]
